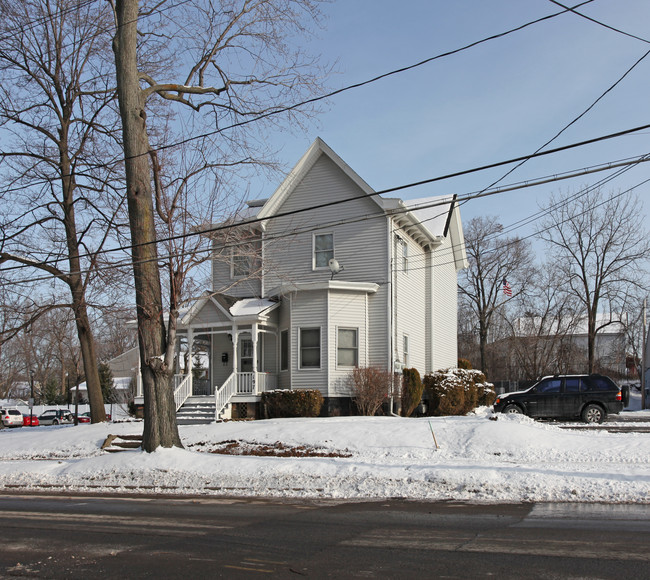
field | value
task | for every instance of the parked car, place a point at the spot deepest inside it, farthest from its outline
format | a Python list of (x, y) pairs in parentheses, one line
[(31, 420), (83, 418), (588, 397), (11, 417), (56, 417)]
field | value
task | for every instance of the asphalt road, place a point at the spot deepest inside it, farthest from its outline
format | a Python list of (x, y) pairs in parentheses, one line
[(65, 537)]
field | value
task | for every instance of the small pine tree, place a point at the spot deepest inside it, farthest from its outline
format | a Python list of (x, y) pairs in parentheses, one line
[(51, 394), (106, 382)]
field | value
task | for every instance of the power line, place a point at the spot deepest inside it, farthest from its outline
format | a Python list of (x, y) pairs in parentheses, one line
[(598, 22), (370, 81), (364, 195), (320, 226), (336, 92)]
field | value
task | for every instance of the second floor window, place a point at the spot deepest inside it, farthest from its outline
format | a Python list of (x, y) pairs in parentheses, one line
[(323, 250), (241, 261)]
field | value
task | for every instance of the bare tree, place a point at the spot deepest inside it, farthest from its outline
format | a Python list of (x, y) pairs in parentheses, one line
[(598, 243), (55, 115), (540, 325), (493, 261), (236, 66), (370, 387)]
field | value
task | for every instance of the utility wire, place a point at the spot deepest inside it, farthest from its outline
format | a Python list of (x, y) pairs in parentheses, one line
[(336, 92), (315, 227), (364, 195)]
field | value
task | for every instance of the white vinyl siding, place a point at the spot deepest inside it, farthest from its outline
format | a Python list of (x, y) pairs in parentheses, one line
[(361, 250), (308, 310), (444, 346), (409, 296)]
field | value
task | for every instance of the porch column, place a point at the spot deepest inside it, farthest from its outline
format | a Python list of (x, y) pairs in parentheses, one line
[(235, 353), (138, 379), (254, 336), (190, 359)]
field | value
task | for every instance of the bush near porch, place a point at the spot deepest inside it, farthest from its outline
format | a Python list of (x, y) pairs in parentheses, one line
[(457, 391), (283, 403)]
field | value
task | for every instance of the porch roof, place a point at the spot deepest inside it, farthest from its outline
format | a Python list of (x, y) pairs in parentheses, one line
[(252, 307), (221, 309)]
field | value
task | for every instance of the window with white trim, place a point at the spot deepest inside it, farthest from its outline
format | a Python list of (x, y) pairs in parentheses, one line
[(406, 350), (310, 348), (323, 250), (405, 256), (284, 350), (241, 261), (347, 347)]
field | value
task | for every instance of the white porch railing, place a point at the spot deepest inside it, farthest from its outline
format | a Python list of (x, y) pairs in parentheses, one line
[(245, 384), (266, 382), (242, 384), (223, 394), (182, 389), (263, 382)]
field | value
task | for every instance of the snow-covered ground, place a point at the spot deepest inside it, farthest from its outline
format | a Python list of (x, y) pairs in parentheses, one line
[(474, 458)]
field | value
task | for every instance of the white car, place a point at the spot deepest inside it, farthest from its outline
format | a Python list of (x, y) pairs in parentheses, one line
[(11, 417)]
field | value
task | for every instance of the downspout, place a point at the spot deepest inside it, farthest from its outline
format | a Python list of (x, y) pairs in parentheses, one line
[(391, 347), (262, 271)]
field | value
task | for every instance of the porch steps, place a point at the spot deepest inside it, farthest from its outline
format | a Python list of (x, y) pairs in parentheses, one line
[(196, 411)]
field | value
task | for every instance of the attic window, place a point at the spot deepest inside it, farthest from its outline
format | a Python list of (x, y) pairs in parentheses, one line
[(323, 250)]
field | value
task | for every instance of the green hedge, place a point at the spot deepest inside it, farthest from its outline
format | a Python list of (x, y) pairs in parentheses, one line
[(457, 391), (292, 403)]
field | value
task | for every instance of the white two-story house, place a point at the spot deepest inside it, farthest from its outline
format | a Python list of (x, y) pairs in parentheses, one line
[(323, 276)]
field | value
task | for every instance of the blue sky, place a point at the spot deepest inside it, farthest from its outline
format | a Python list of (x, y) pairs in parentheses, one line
[(499, 100)]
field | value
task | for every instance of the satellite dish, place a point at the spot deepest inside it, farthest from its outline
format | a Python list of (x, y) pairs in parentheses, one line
[(334, 265)]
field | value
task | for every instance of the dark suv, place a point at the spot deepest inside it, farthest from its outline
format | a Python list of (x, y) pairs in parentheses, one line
[(589, 397), (56, 417)]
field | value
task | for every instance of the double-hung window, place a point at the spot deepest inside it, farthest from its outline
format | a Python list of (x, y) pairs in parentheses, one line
[(323, 250), (347, 347), (406, 350), (241, 261), (310, 348)]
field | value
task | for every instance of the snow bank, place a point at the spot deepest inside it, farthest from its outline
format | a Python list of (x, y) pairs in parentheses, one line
[(476, 459)]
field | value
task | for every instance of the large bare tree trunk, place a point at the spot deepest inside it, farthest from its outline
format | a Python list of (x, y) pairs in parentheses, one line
[(160, 429), (77, 289)]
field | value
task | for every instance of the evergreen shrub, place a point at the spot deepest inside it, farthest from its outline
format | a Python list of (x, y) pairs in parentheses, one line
[(412, 389), (457, 391), (283, 403)]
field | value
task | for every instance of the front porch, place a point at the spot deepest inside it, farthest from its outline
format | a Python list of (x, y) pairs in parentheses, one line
[(240, 387), (226, 351)]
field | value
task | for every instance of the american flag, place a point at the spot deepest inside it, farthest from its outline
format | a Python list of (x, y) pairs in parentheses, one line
[(507, 290)]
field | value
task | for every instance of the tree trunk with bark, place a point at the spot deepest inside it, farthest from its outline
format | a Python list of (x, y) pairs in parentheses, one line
[(160, 429)]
